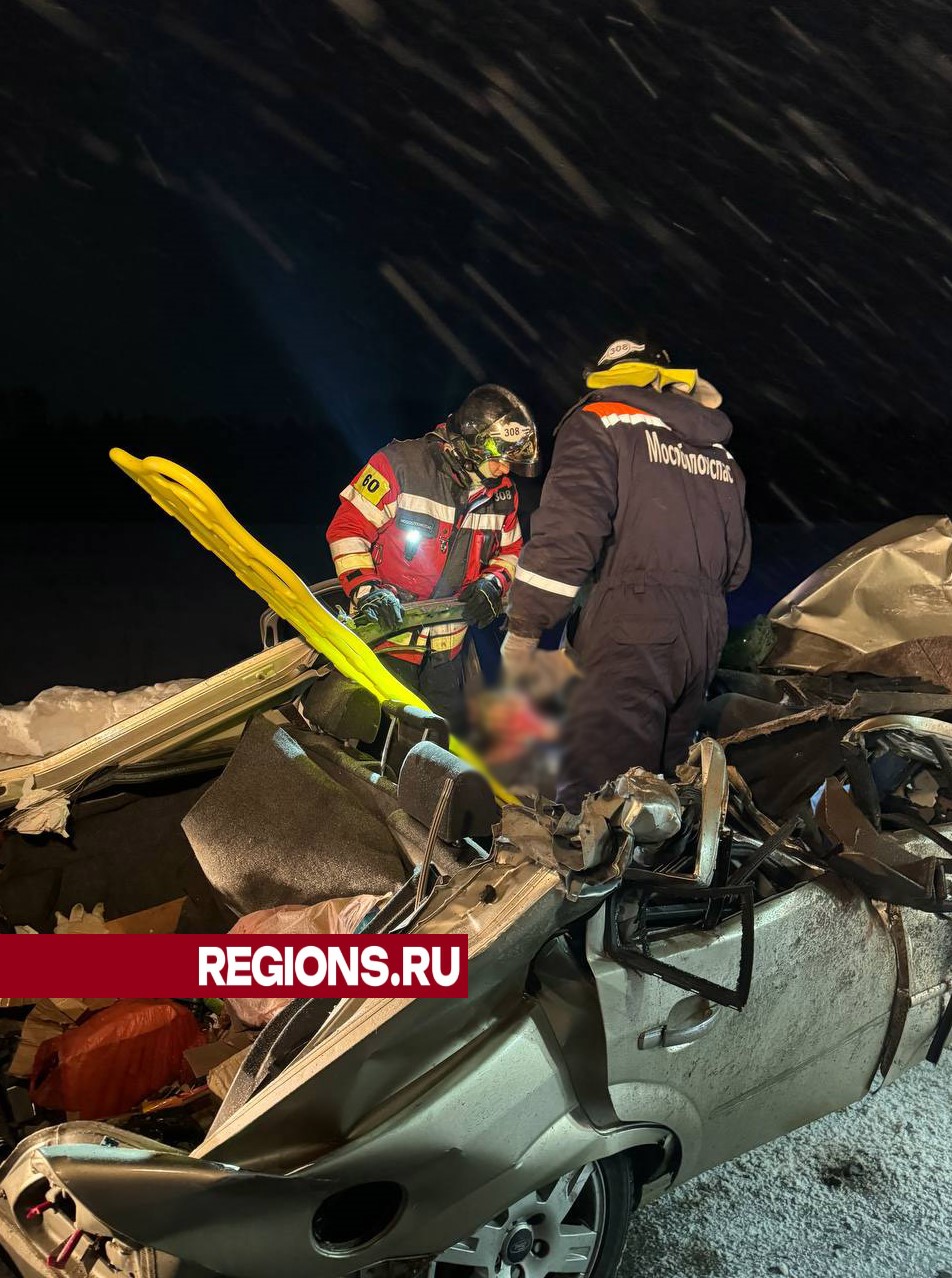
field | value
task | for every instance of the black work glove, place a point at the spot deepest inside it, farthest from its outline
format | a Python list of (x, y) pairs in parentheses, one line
[(483, 600), (382, 607)]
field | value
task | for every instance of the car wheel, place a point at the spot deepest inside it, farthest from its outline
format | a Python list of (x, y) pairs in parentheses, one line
[(577, 1226)]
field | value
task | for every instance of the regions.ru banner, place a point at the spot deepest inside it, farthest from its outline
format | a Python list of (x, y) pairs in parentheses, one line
[(200, 966)]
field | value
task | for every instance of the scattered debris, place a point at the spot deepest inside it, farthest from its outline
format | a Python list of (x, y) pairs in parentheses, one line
[(115, 1059), (48, 1020), (39, 811), (81, 920)]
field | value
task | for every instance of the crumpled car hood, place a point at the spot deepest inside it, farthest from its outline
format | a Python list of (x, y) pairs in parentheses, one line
[(893, 588)]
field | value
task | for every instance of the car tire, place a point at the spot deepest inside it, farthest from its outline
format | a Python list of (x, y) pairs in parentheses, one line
[(577, 1226), (621, 1202)]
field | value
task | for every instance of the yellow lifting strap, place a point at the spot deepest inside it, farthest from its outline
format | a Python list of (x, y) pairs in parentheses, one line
[(192, 503)]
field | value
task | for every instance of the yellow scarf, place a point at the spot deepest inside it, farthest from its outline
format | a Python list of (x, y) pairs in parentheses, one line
[(637, 374)]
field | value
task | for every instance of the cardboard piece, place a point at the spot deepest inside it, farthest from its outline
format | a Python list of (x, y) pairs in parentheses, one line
[(202, 1061), (50, 1018), (186, 1097), (159, 919)]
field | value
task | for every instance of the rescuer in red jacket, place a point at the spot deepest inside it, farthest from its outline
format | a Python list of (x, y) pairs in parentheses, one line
[(434, 517)]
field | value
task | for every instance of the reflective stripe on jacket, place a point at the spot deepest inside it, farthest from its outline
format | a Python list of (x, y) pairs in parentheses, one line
[(412, 521), (642, 491)]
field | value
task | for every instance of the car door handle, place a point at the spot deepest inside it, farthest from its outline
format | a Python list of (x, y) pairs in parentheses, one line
[(688, 1021)]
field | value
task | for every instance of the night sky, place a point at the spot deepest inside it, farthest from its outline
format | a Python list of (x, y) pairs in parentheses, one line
[(263, 237), (346, 212)]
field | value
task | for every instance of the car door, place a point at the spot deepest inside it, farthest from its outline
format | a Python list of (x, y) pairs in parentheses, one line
[(808, 1040)]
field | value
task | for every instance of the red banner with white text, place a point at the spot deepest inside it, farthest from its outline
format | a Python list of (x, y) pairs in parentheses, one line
[(199, 966)]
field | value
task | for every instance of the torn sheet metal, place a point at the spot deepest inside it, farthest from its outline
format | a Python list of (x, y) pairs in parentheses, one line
[(193, 719), (522, 834), (786, 753), (863, 704), (707, 767), (928, 659), (642, 807), (888, 589), (886, 829), (883, 868)]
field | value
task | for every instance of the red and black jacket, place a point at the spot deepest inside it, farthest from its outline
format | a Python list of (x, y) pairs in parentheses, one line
[(414, 521)]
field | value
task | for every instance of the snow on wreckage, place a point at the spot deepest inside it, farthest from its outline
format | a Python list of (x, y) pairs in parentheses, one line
[(707, 962)]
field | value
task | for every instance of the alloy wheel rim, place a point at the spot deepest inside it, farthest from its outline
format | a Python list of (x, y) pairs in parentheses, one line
[(553, 1230)]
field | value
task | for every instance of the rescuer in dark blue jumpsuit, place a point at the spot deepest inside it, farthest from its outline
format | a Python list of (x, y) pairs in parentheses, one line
[(644, 504)]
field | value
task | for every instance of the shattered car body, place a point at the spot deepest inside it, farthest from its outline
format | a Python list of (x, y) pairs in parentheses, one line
[(684, 974), (889, 591), (868, 634), (667, 999)]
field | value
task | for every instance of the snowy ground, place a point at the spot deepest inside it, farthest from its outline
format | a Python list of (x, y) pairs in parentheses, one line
[(866, 1193)]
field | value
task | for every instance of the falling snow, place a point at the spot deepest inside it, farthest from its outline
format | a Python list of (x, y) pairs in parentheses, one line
[(497, 190)]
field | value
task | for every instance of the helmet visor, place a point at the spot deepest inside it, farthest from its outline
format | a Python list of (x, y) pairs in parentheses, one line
[(514, 442)]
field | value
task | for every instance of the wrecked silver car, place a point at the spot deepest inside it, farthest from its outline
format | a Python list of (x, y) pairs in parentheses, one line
[(681, 975)]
